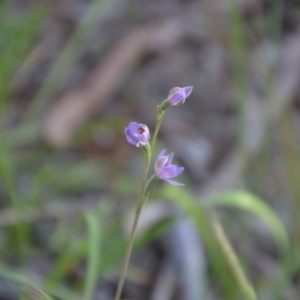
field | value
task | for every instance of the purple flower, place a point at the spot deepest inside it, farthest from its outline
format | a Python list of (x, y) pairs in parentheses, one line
[(137, 134), (178, 95), (164, 169)]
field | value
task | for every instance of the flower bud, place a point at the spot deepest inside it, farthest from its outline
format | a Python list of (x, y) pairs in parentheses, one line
[(178, 95)]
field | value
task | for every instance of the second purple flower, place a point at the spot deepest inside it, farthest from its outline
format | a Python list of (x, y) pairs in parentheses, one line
[(164, 169)]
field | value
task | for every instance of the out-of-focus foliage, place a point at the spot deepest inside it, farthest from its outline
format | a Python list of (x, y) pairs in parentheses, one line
[(17, 33), (68, 178)]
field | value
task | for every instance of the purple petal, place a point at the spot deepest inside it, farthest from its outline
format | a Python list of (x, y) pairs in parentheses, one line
[(167, 172), (164, 169), (143, 126), (177, 96), (130, 138), (170, 158), (160, 164), (174, 182), (162, 153), (187, 91), (133, 126), (170, 171), (143, 137), (178, 171)]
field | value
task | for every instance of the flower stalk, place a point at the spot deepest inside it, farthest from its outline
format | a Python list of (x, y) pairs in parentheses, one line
[(138, 135), (160, 116), (139, 205)]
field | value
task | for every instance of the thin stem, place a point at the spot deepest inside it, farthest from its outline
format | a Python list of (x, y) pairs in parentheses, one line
[(139, 206), (232, 258), (160, 117)]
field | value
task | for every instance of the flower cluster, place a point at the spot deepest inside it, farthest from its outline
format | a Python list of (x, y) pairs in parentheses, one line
[(138, 135)]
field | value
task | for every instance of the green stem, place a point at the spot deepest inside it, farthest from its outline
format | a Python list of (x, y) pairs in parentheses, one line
[(139, 205), (232, 258), (160, 117)]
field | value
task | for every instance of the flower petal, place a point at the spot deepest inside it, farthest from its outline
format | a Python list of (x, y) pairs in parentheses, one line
[(160, 164), (177, 96), (130, 138), (162, 153), (174, 182), (167, 172), (187, 90), (178, 171), (143, 126), (133, 126), (143, 137), (170, 158), (164, 169)]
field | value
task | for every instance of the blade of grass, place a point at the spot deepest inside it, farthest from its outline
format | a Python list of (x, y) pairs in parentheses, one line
[(231, 258), (237, 43), (9, 178), (16, 34), (71, 53), (189, 204), (94, 253), (71, 252), (253, 204), (14, 275)]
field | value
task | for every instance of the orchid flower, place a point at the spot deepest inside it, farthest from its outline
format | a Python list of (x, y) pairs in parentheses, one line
[(137, 134), (164, 169)]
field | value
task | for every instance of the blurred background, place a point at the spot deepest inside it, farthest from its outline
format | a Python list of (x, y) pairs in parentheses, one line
[(74, 73)]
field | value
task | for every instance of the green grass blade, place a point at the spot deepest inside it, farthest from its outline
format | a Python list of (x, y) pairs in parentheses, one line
[(58, 75), (198, 213), (94, 252), (255, 205)]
